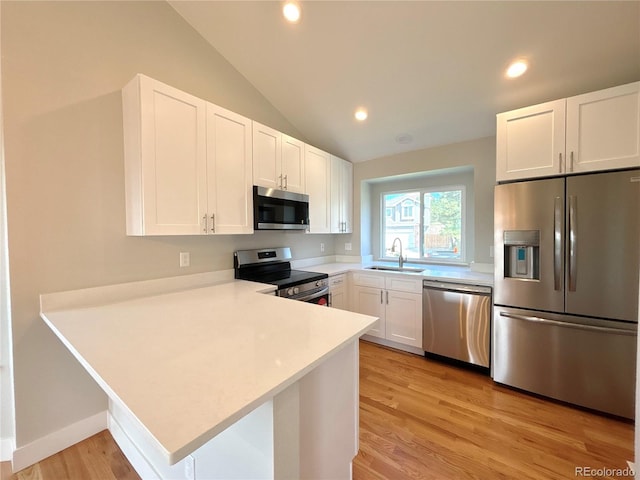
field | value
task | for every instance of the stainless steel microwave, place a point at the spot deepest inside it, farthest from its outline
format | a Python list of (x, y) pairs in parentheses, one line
[(279, 210)]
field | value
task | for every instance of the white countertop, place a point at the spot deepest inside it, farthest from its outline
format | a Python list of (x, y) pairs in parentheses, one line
[(450, 273), (188, 364)]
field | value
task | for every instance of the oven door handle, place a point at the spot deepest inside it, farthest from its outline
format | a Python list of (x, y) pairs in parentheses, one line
[(312, 296)]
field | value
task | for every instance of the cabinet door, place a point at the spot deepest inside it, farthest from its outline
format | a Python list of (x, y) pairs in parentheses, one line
[(165, 159), (293, 164), (347, 196), (603, 129), (404, 318), (229, 172), (317, 172), (267, 155), (336, 211), (530, 141), (339, 298), (341, 195), (369, 301), (338, 291)]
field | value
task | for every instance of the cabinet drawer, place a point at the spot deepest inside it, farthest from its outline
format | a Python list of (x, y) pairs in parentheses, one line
[(401, 283), (368, 280), (337, 280)]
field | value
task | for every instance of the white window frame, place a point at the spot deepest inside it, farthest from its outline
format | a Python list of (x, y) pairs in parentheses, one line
[(422, 191)]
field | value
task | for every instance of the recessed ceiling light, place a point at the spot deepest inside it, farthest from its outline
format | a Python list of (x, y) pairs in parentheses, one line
[(516, 69), (291, 11), (361, 114)]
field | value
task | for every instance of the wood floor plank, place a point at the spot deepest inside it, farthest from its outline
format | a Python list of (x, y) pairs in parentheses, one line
[(451, 422), (421, 419)]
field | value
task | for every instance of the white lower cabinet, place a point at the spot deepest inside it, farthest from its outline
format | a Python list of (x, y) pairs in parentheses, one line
[(338, 291), (396, 299)]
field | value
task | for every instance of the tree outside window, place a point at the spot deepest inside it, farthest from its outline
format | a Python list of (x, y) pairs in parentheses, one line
[(434, 235)]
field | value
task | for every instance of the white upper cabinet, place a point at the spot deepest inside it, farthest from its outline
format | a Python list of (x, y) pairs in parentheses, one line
[(590, 132), (165, 159), (229, 172), (318, 174), (605, 129), (293, 164), (278, 160), (530, 141), (341, 187), (187, 163)]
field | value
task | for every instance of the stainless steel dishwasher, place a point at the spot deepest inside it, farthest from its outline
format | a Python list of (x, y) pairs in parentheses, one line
[(457, 321)]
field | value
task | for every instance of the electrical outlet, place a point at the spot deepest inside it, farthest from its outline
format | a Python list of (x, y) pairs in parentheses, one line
[(347, 246), (322, 247), (185, 259)]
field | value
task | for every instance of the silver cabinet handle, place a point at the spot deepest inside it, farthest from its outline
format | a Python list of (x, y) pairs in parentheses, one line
[(286, 183), (571, 164), (330, 299), (213, 223), (557, 243), (381, 293), (573, 242), (560, 163), (280, 182), (204, 221), (387, 297), (577, 326)]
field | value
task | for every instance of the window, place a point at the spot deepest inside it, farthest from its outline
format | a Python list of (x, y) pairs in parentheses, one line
[(436, 234)]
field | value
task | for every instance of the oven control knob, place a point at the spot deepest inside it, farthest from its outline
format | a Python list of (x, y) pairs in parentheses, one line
[(296, 290), (319, 283), (290, 291)]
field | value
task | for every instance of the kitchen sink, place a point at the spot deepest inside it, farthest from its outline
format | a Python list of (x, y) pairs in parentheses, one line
[(395, 269)]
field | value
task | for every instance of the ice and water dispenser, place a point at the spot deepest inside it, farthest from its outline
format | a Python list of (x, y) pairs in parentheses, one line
[(522, 254)]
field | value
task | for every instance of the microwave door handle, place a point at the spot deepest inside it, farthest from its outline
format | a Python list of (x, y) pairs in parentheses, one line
[(573, 242), (557, 243)]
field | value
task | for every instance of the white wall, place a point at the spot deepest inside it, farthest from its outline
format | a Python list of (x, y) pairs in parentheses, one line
[(63, 67), (7, 427)]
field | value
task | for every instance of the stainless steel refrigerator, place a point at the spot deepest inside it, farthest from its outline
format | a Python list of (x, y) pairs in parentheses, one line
[(567, 255)]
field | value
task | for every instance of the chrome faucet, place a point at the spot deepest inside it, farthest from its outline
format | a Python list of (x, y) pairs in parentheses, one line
[(393, 250)]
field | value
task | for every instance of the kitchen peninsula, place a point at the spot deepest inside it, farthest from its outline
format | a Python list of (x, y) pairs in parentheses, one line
[(218, 380)]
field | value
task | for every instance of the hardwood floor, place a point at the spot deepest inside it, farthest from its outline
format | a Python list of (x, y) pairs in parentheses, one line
[(421, 419), (98, 457)]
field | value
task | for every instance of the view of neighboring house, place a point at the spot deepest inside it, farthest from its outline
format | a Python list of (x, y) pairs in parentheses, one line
[(440, 228)]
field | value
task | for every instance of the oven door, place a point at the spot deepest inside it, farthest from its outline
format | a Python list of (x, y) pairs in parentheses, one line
[(319, 297)]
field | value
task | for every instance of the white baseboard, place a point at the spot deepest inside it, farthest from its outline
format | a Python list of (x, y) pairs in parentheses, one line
[(7, 446), (55, 442)]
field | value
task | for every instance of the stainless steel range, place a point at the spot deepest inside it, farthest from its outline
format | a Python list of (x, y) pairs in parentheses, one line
[(273, 266)]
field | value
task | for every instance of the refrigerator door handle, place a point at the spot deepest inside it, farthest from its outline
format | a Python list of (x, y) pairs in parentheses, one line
[(573, 242), (578, 326), (557, 243)]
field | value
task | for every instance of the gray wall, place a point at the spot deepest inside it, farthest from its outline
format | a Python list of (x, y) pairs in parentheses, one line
[(479, 155), (63, 66)]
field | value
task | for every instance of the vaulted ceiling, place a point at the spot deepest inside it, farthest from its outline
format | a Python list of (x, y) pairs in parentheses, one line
[(428, 72)]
